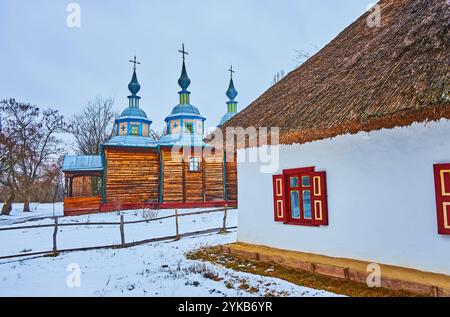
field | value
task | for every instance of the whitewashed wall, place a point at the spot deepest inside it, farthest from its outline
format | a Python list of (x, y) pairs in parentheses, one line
[(381, 199)]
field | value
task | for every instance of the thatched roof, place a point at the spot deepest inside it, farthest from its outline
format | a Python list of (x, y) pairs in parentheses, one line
[(366, 79)]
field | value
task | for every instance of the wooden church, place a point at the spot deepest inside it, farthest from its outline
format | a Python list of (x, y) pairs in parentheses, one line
[(137, 169)]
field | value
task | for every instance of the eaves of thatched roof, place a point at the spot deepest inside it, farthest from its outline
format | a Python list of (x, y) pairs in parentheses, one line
[(367, 78)]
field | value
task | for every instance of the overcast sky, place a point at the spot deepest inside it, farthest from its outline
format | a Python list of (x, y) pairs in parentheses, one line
[(44, 62)]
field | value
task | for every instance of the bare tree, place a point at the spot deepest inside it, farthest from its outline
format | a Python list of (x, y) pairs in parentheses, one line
[(7, 165), (29, 135), (94, 126)]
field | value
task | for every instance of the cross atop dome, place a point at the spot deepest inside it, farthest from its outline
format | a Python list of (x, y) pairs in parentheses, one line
[(184, 80), (231, 71), (134, 62), (183, 52)]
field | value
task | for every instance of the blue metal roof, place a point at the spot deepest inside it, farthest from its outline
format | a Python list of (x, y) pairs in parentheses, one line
[(182, 139), (133, 112), (226, 117), (134, 86), (231, 92), (184, 80), (186, 109), (75, 163), (132, 141)]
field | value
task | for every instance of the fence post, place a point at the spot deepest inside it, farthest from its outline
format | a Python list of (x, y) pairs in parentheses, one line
[(122, 231), (177, 237), (224, 228), (55, 232)]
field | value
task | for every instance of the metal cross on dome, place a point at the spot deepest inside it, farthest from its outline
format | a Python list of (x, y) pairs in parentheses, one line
[(231, 71), (182, 51), (135, 62)]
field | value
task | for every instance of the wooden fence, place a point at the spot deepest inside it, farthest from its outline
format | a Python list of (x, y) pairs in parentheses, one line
[(121, 224)]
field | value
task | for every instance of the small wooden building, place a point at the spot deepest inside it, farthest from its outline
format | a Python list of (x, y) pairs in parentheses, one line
[(136, 169)]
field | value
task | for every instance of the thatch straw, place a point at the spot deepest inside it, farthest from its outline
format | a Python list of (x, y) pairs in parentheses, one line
[(366, 79)]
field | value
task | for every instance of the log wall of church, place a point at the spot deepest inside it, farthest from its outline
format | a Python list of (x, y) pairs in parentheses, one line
[(132, 175), (214, 180), (194, 181), (232, 185), (172, 176)]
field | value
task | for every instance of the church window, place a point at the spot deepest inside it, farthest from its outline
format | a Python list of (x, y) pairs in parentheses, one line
[(194, 164), (134, 129), (189, 127)]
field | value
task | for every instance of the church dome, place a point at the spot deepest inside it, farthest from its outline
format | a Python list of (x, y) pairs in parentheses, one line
[(134, 86), (185, 109), (133, 112)]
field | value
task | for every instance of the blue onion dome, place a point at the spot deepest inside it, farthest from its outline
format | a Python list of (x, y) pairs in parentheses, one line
[(185, 109), (184, 80), (134, 86), (232, 92), (133, 112)]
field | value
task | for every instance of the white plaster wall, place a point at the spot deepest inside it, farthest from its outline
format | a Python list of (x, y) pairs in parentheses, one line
[(381, 198)]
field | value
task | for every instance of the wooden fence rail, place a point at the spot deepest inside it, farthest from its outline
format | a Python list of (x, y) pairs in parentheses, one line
[(121, 224), (112, 223)]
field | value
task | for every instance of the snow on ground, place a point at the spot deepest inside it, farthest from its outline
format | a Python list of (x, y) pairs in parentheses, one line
[(37, 211), (154, 269)]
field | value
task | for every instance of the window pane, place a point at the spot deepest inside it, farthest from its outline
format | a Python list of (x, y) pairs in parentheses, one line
[(134, 130), (189, 128), (194, 164), (294, 181), (307, 204), (295, 208), (306, 182)]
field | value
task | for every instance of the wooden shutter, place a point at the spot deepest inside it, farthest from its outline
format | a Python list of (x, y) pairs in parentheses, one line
[(278, 198), (319, 198), (442, 187)]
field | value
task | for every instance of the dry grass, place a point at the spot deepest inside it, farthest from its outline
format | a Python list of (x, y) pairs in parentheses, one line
[(303, 278)]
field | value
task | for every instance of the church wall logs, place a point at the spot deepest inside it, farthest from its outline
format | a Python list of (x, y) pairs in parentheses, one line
[(172, 176), (214, 180), (132, 175), (194, 181), (232, 184)]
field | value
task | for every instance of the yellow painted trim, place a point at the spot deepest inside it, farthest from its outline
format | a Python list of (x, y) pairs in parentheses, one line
[(280, 207), (279, 184), (316, 204), (443, 189), (444, 210), (317, 189)]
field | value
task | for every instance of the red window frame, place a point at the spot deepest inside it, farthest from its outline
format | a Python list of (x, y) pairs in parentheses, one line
[(318, 197), (442, 187), (299, 173)]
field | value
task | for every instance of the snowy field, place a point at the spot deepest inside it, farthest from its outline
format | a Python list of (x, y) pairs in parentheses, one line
[(154, 269)]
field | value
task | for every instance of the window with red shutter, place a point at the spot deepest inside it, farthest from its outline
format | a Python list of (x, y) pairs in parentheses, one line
[(303, 197), (319, 198), (442, 187), (278, 198)]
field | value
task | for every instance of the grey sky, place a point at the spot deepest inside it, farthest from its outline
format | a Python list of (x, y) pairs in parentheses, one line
[(44, 62)]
